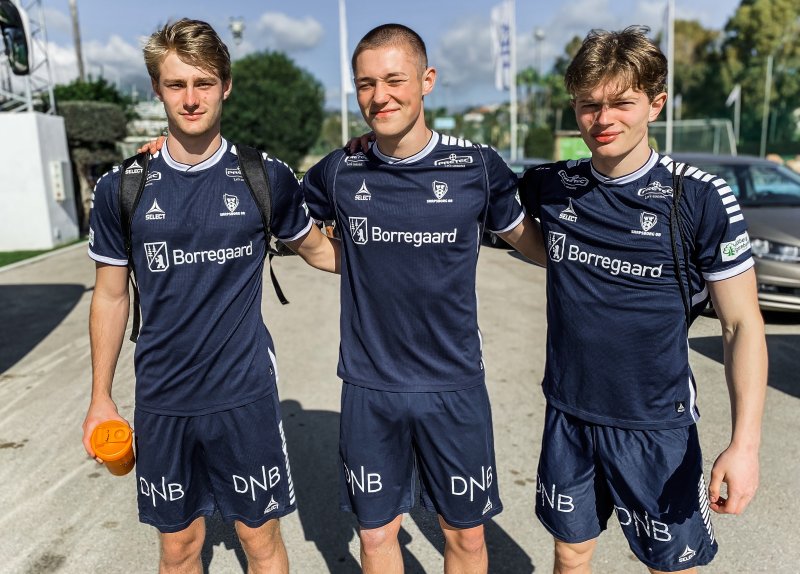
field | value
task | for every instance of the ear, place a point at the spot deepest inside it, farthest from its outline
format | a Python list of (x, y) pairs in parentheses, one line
[(428, 80), (656, 106), (226, 89), (156, 89)]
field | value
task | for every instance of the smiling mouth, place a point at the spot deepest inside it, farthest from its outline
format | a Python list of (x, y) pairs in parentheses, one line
[(605, 137), (380, 114)]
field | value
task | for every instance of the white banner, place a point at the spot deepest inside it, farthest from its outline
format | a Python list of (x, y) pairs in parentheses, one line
[(501, 44)]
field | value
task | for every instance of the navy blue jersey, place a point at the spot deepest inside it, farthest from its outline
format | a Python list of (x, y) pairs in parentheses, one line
[(198, 251), (617, 344), (411, 229)]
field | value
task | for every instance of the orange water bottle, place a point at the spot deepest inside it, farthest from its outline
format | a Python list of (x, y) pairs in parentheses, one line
[(112, 442)]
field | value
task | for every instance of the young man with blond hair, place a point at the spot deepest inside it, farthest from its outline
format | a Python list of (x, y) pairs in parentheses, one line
[(207, 420), (414, 400), (636, 244)]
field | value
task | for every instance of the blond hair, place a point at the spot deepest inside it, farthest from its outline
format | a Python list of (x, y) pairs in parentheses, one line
[(195, 42)]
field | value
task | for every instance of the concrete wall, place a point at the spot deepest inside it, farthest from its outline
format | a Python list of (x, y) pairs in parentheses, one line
[(37, 204)]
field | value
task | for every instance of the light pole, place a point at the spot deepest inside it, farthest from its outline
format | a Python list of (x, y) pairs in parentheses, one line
[(539, 36), (236, 26), (76, 36)]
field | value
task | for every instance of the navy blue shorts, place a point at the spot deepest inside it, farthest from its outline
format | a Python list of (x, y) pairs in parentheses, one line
[(391, 442), (652, 479), (235, 461)]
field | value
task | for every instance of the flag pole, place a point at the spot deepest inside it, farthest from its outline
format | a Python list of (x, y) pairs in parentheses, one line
[(344, 68), (512, 80), (670, 72)]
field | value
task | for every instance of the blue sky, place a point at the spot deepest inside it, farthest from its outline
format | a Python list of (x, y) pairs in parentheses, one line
[(456, 32)]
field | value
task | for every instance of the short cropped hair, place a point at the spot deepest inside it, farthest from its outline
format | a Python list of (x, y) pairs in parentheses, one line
[(393, 35), (195, 42), (627, 59)]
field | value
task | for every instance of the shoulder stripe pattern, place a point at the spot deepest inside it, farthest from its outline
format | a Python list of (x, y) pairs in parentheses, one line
[(450, 140), (725, 192)]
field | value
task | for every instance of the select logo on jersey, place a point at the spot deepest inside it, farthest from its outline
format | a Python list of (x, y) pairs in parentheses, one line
[(732, 249), (152, 177), (155, 212), (134, 168), (647, 221), (157, 256), (555, 245), (234, 173), (439, 190), (272, 506), (687, 555), (655, 191), (454, 160), (572, 181), (231, 202), (568, 214), (363, 193), (358, 230), (357, 159)]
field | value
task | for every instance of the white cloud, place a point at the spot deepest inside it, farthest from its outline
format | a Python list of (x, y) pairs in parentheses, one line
[(289, 34)]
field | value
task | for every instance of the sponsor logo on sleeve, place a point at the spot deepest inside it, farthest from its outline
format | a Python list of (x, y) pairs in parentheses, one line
[(732, 249)]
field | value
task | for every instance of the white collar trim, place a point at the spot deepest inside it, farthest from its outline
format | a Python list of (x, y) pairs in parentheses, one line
[(649, 164), (411, 159), (203, 165)]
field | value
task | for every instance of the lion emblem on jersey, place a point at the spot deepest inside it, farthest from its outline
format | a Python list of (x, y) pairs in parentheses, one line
[(231, 202)]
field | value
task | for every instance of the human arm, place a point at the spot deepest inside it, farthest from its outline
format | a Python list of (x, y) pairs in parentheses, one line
[(318, 250), (745, 351), (108, 317), (526, 238), (152, 146)]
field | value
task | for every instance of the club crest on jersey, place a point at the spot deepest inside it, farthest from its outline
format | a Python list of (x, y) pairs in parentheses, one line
[(439, 191), (648, 220), (231, 203), (453, 160), (655, 191), (568, 214), (358, 230), (157, 256), (555, 245), (572, 181), (155, 212), (363, 193)]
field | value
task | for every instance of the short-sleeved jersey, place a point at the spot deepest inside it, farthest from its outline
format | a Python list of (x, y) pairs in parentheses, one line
[(198, 250), (411, 230), (617, 343)]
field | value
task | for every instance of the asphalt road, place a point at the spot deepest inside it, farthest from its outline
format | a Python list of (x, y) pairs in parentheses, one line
[(60, 512)]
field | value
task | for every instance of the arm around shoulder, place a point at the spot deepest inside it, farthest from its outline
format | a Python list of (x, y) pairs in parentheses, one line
[(318, 250), (526, 238)]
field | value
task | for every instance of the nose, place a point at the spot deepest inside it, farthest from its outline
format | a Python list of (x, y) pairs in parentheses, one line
[(190, 98), (602, 116), (381, 93)]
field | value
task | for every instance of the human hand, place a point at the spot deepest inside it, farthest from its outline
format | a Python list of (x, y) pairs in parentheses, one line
[(360, 143), (738, 469), (100, 410), (153, 146)]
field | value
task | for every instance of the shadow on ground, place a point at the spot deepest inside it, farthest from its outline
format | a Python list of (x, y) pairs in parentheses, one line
[(784, 362), (28, 313)]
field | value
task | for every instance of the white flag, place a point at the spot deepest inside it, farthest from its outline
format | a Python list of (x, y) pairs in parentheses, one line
[(501, 44), (734, 96)]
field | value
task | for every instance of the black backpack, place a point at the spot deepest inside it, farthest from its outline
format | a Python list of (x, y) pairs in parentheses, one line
[(133, 180)]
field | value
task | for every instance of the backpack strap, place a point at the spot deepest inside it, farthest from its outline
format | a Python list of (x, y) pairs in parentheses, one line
[(131, 184), (251, 165), (676, 230)]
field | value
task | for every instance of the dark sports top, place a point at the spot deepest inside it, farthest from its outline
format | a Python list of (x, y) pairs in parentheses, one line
[(617, 346), (411, 229), (198, 251)]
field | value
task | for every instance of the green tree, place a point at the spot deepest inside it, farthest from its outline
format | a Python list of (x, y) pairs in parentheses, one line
[(93, 130), (274, 106), (760, 29)]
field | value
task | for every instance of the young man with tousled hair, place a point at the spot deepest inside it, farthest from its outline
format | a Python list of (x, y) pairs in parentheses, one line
[(636, 244), (207, 419), (412, 208)]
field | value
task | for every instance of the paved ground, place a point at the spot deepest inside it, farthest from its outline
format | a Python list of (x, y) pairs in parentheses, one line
[(59, 512)]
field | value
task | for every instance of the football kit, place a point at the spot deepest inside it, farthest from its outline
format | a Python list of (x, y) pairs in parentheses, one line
[(198, 249), (411, 231), (617, 346)]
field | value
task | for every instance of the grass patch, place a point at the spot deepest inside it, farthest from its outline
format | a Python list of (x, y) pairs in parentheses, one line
[(9, 257)]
